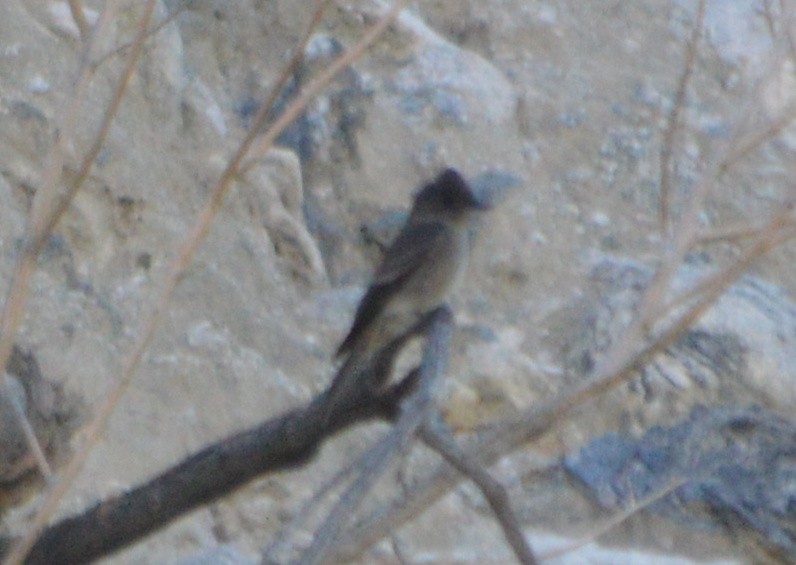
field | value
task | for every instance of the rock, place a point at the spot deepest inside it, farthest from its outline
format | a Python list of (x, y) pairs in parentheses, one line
[(274, 190), (737, 464), (51, 413), (746, 342)]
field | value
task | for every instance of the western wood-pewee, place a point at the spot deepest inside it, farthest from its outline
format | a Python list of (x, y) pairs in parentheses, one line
[(419, 270)]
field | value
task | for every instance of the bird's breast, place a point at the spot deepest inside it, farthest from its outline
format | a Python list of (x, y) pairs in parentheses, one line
[(439, 275)]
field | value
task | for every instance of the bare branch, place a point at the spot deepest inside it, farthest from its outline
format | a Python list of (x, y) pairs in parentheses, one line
[(624, 358), (439, 438), (156, 28), (35, 230), (284, 442), (314, 87), (80, 18), (416, 410), (95, 428), (41, 225)]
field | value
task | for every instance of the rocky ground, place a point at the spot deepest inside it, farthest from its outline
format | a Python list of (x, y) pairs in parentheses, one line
[(564, 103)]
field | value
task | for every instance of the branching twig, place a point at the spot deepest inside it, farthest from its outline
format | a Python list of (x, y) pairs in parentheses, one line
[(769, 18), (156, 28), (739, 231), (417, 408), (438, 437), (777, 231), (36, 230), (625, 357), (188, 248), (315, 86), (288, 441), (42, 220)]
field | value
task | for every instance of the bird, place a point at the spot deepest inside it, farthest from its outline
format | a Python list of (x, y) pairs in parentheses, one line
[(419, 270)]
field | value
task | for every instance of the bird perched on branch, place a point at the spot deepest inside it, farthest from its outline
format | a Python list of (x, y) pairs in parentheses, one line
[(419, 270)]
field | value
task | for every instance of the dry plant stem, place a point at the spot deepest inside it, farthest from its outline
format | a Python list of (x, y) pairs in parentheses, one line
[(96, 426), (18, 404), (156, 28), (35, 230), (737, 146), (46, 215), (107, 118), (756, 139), (651, 304), (778, 230), (674, 119), (315, 86), (416, 409), (614, 521), (624, 358), (33, 443), (786, 14), (438, 437), (38, 219), (514, 432), (784, 235), (80, 18), (287, 72), (727, 233)]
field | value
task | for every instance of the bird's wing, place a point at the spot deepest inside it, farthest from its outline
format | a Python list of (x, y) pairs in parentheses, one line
[(402, 258), (407, 252)]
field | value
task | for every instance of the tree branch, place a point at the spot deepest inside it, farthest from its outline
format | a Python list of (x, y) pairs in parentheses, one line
[(288, 441)]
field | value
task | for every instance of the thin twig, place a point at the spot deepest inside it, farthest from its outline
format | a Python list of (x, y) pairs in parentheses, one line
[(416, 409), (18, 404), (438, 437), (287, 72), (33, 443), (107, 118), (777, 231), (612, 522), (788, 24), (80, 18), (674, 119), (35, 230), (156, 28), (739, 231), (511, 433), (313, 88), (95, 428), (42, 225), (774, 233), (768, 17)]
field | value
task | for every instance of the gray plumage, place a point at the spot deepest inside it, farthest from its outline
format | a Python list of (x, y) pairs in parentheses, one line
[(419, 270)]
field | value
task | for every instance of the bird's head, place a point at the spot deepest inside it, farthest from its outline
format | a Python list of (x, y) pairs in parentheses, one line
[(448, 196)]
